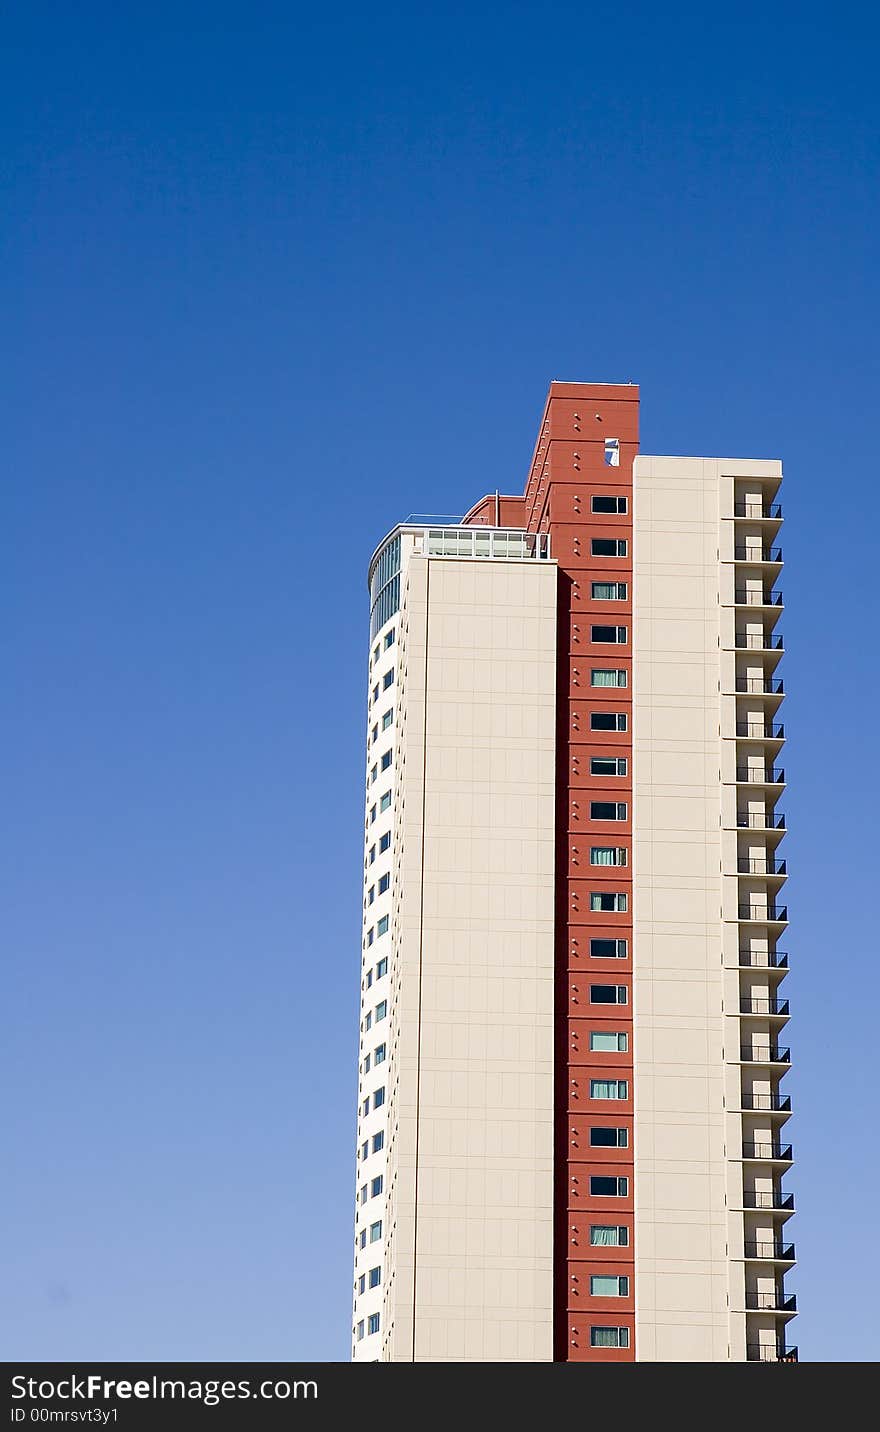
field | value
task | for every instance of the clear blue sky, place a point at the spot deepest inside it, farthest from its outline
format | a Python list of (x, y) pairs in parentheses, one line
[(273, 276)]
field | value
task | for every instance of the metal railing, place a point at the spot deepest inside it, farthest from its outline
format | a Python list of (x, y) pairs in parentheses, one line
[(757, 554), (756, 641), (775, 1302), (772, 510), (760, 1352), (762, 775), (774, 913), (782, 1251), (763, 1006), (773, 1199), (764, 959), (761, 730), (760, 820), (760, 867), (744, 598), (766, 1151), (767, 1103), (751, 1054), (760, 685)]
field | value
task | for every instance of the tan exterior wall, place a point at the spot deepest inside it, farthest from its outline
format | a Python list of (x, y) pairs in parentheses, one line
[(468, 1262)]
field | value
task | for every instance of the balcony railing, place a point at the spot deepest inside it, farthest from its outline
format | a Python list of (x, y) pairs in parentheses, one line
[(751, 1150), (763, 1006), (784, 1252), (752, 1054), (757, 510), (760, 1352), (757, 554), (772, 1302), (761, 775), (767, 1103), (764, 913), (760, 685), (760, 867), (764, 959), (745, 598), (760, 820), (761, 730), (756, 641), (772, 1199)]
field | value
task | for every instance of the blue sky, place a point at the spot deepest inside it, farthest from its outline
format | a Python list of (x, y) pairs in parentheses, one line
[(272, 279)]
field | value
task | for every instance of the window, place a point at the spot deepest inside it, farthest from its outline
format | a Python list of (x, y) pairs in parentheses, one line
[(608, 765), (362, 1282), (608, 591), (382, 969), (379, 1097), (372, 814), (364, 1194), (608, 900), (382, 1008), (365, 1148), (387, 719), (384, 882), (386, 761), (360, 1330), (608, 1089), (615, 634), (366, 1064), (604, 1138), (387, 679), (605, 994), (373, 1323), (601, 1186), (385, 801), (609, 1041), (382, 926), (605, 1285), (376, 653), (376, 693), (389, 639), (605, 1235), (372, 853), (379, 1055), (376, 1277), (370, 936), (367, 1022), (374, 734), (612, 452), (378, 1141), (369, 982), (375, 1231), (376, 1186), (608, 949), (362, 1240), (607, 720), (371, 894), (607, 855), (608, 546), (384, 842), (607, 810), (607, 678), (373, 774), (609, 1337), (608, 504)]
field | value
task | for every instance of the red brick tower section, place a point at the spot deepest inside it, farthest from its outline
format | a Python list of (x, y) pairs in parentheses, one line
[(580, 491)]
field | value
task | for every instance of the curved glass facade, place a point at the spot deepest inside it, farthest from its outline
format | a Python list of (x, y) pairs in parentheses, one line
[(385, 585)]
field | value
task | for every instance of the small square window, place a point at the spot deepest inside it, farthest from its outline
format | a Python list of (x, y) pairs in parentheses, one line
[(360, 1330), (384, 842), (384, 882), (385, 761), (362, 1282), (375, 1231), (373, 1323), (375, 1277), (385, 801), (382, 1009), (362, 1240), (388, 679), (612, 452), (377, 1184), (379, 1054), (387, 719), (382, 969), (389, 639), (382, 926), (379, 1097), (378, 1141)]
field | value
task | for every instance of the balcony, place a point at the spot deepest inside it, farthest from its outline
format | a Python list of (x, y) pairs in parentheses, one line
[(760, 820), (774, 1055), (767, 1103), (763, 555), (763, 959), (776, 1301), (760, 1352), (764, 1007), (761, 730), (746, 866), (759, 686), (756, 641), (760, 775), (772, 1201), (744, 598), (771, 1252), (758, 511), (767, 1153), (764, 914)]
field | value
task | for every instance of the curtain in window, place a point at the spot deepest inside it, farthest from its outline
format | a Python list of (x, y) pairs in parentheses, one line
[(604, 1337), (603, 1237), (604, 678), (603, 855)]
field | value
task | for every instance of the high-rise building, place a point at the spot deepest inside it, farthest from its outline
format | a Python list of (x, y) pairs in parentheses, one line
[(571, 1119)]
